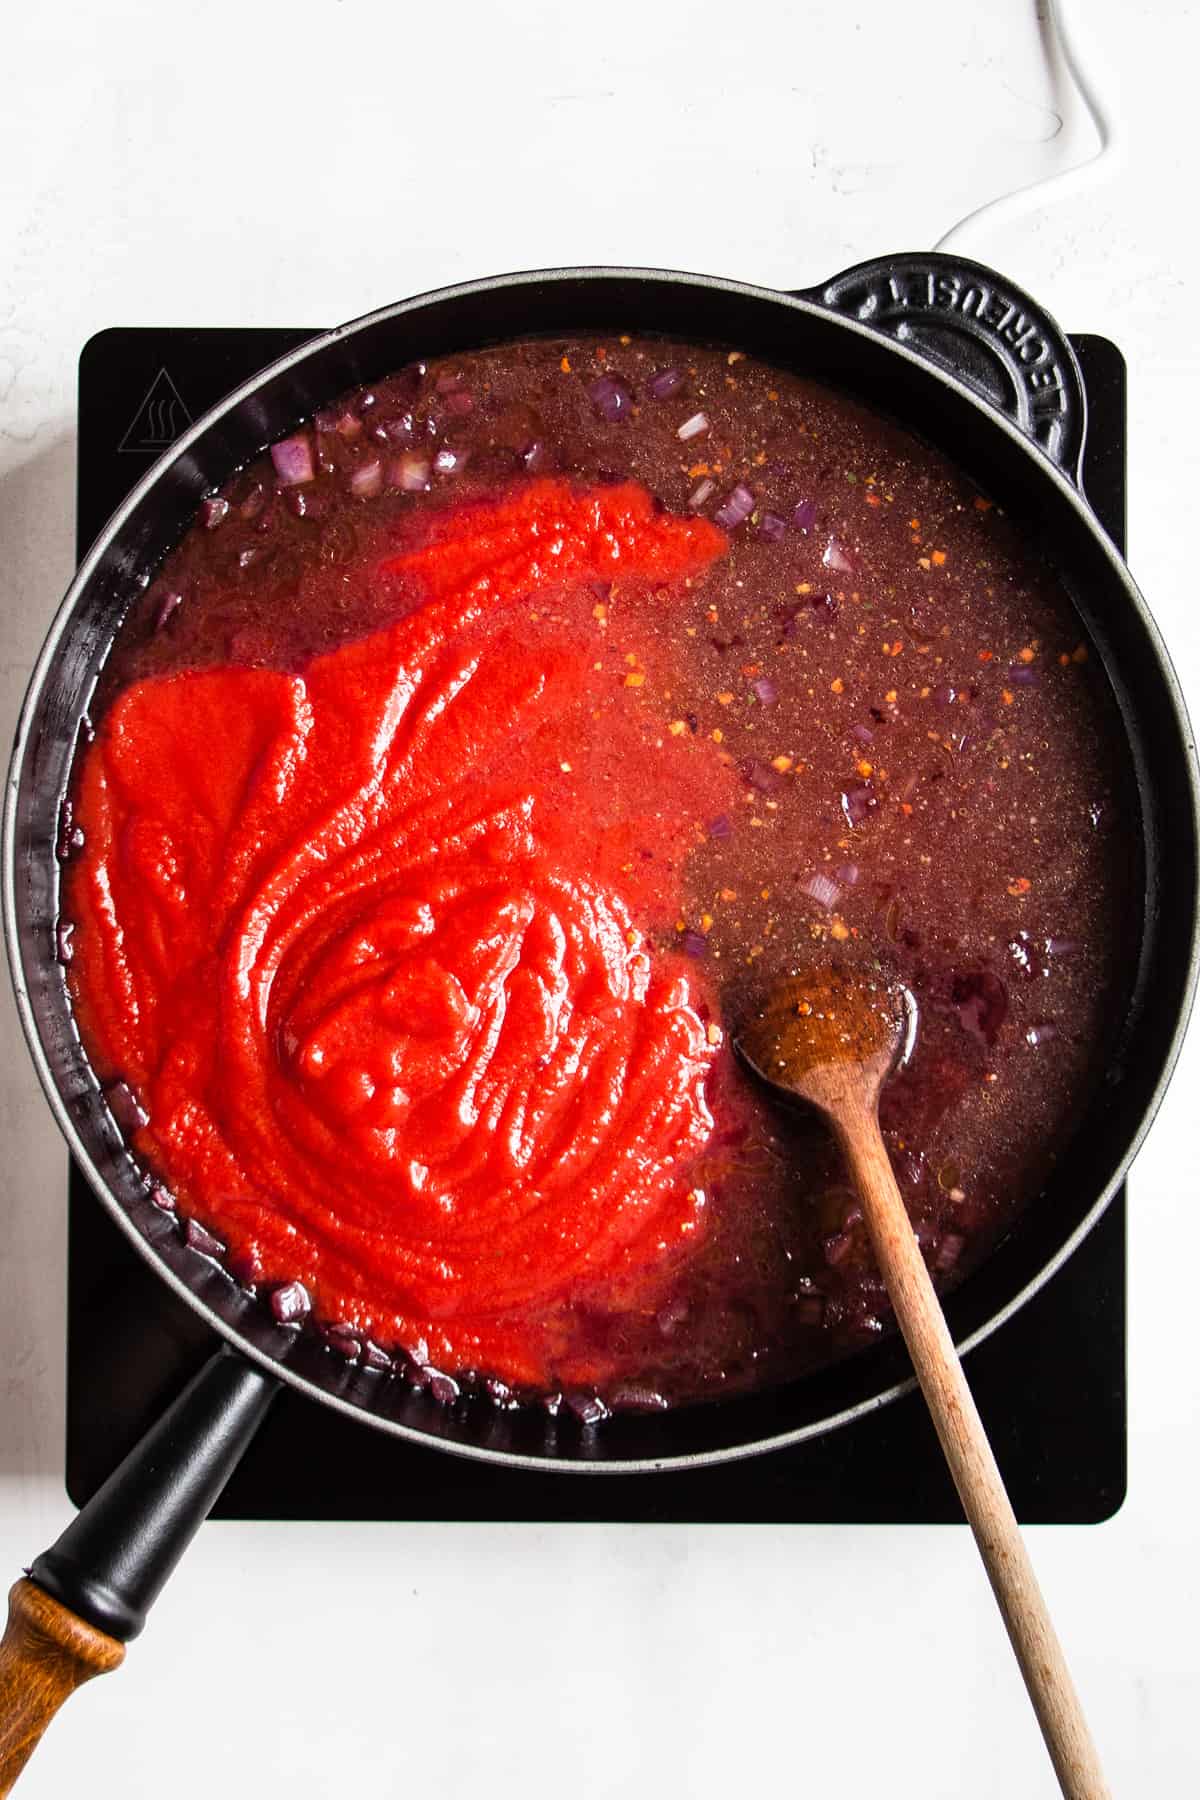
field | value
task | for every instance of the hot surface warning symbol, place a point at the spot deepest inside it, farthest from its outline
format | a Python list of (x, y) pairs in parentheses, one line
[(159, 420)]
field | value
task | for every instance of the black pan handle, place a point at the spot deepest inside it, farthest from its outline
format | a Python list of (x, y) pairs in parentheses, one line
[(111, 1561), (980, 327)]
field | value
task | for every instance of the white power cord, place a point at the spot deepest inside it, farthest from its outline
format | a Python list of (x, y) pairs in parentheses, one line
[(1068, 181)]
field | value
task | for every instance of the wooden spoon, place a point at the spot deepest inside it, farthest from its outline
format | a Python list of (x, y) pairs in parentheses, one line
[(831, 1036)]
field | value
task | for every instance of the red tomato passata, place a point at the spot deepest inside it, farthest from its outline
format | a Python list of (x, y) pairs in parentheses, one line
[(368, 941)]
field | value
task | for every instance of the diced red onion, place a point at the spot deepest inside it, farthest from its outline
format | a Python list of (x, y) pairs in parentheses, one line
[(633, 1397), (410, 473), (804, 515), (863, 733), (858, 803), (305, 504), (700, 494), (254, 502), (664, 382), (367, 480), (945, 695), (127, 1110), (847, 874), (245, 1266), (290, 1303), (611, 399), (693, 943), (948, 1252), (836, 557), (760, 775), (375, 1358), (823, 889), (497, 1391), (691, 428), (447, 461), (349, 427), (197, 1238), (293, 459), (763, 689), (212, 511), (162, 1197), (442, 1388), (64, 949), (393, 433), (343, 1342), (838, 1247), (589, 1409), (735, 509), (1061, 946), (721, 826), (773, 527), (1043, 1033), (1024, 675)]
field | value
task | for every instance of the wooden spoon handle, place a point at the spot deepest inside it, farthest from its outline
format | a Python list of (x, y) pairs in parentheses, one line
[(46, 1653), (969, 1455)]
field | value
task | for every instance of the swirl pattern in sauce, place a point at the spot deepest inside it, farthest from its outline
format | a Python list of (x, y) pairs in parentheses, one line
[(365, 944)]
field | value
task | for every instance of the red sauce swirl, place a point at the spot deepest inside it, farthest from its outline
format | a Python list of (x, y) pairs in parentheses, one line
[(367, 941)]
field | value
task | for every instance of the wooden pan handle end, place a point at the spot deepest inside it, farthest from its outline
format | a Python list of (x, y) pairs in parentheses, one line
[(46, 1653)]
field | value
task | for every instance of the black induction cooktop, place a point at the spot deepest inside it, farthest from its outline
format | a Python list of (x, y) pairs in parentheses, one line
[(1050, 1384)]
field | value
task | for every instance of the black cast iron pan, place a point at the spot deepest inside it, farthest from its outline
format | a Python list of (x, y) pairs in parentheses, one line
[(948, 348)]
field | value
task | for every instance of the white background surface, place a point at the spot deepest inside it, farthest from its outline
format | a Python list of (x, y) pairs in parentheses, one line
[(279, 165)]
